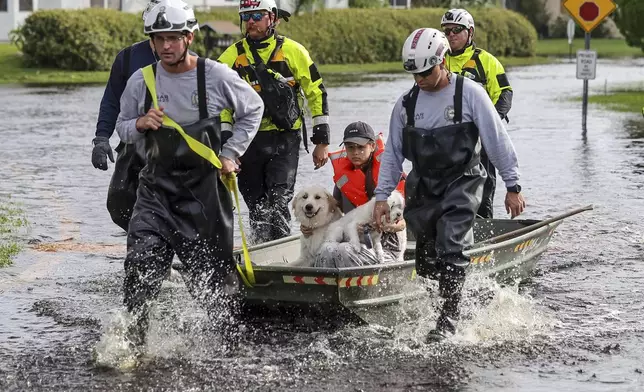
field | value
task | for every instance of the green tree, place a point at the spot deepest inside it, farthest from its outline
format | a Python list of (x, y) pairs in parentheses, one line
[(534, 11), (628, 18), (453, 3)]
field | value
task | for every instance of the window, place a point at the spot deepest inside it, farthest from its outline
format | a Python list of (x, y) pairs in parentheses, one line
[(26, 5), (97, 3), (4, 6)]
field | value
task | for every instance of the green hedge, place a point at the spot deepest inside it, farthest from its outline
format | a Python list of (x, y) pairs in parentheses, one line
[(342, 35), (81, 40), (89, 39)]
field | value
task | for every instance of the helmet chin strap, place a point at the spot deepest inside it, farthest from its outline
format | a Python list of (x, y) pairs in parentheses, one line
[(271, 28), (181, 59)]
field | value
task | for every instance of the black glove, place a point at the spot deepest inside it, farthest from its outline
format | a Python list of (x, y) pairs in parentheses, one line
[(101, 151)]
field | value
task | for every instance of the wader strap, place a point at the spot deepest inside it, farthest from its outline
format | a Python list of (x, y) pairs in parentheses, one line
[(409, 103), (479, 66), (458, 100), (201, 88)]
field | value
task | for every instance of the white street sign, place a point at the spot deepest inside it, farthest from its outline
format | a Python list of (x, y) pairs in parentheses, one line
[(570, 29), (586, 64)]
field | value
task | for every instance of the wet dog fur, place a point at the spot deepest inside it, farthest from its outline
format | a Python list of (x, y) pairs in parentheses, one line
[(347, 226), (316, 208), (396, 203)]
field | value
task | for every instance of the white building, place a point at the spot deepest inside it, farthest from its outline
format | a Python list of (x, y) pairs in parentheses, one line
[(14, 12)]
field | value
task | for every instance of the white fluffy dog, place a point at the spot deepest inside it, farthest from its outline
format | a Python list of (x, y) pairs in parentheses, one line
[(396, 203), (363, 215), (316, 208)]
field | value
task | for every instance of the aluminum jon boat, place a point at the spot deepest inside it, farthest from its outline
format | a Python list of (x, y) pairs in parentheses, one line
[(504, 249)]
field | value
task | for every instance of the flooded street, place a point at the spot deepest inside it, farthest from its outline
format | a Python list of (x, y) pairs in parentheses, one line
[(578, 325)]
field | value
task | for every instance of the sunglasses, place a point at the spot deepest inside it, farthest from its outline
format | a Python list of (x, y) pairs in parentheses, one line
[(257, 16), (425, 74), (454, 30)]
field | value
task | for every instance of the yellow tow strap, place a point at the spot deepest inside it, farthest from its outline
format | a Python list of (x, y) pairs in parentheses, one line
[(230, 181), (249, 277)]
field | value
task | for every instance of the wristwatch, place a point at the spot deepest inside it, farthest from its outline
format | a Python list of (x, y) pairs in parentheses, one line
[(516, 188)]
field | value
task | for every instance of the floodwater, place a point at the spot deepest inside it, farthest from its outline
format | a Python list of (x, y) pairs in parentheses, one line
[(578, 325)]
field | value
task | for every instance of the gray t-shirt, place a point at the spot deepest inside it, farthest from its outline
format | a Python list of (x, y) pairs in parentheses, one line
[(436, 109), (177, 94)]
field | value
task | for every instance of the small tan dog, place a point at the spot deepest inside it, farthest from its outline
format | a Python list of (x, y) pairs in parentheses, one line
[(316, 208)]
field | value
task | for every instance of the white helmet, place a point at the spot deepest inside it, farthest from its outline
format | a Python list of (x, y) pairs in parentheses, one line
[(423, 49), (458, 16), (149, 7), (170, 15), (257, 5)]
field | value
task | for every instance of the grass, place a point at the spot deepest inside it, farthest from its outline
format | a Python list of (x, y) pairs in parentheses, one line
[(11, 220), (13, 71), (629, 100), (606, 48)]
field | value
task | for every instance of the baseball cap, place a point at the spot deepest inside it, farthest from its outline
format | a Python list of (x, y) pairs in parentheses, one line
[(358, 132)]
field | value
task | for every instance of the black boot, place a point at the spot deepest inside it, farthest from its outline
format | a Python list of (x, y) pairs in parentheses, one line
[(450, 287), (137, 331), (224, 312)]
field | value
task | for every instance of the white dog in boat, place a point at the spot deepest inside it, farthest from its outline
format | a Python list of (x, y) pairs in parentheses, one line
[(316, 208), (347, 226)]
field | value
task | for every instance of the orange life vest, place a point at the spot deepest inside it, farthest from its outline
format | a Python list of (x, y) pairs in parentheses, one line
[(352, 182)]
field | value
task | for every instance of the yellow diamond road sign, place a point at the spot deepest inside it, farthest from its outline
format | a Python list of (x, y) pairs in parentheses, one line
[(589, 13)]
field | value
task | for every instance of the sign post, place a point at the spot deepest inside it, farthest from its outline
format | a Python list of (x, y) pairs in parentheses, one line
[(586, 69), (588, 14)]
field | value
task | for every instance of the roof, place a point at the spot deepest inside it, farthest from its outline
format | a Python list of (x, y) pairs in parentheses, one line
[(222, 27)]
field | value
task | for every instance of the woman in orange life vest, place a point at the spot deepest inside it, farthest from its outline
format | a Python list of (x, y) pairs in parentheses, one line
[(355, 173)]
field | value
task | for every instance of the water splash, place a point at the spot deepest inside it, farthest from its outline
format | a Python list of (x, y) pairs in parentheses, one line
[(493, 313), (490, 313), (113, 350)]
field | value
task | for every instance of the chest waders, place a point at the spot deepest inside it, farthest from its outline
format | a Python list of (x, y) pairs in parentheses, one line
[(442, 197), (182, 208)]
